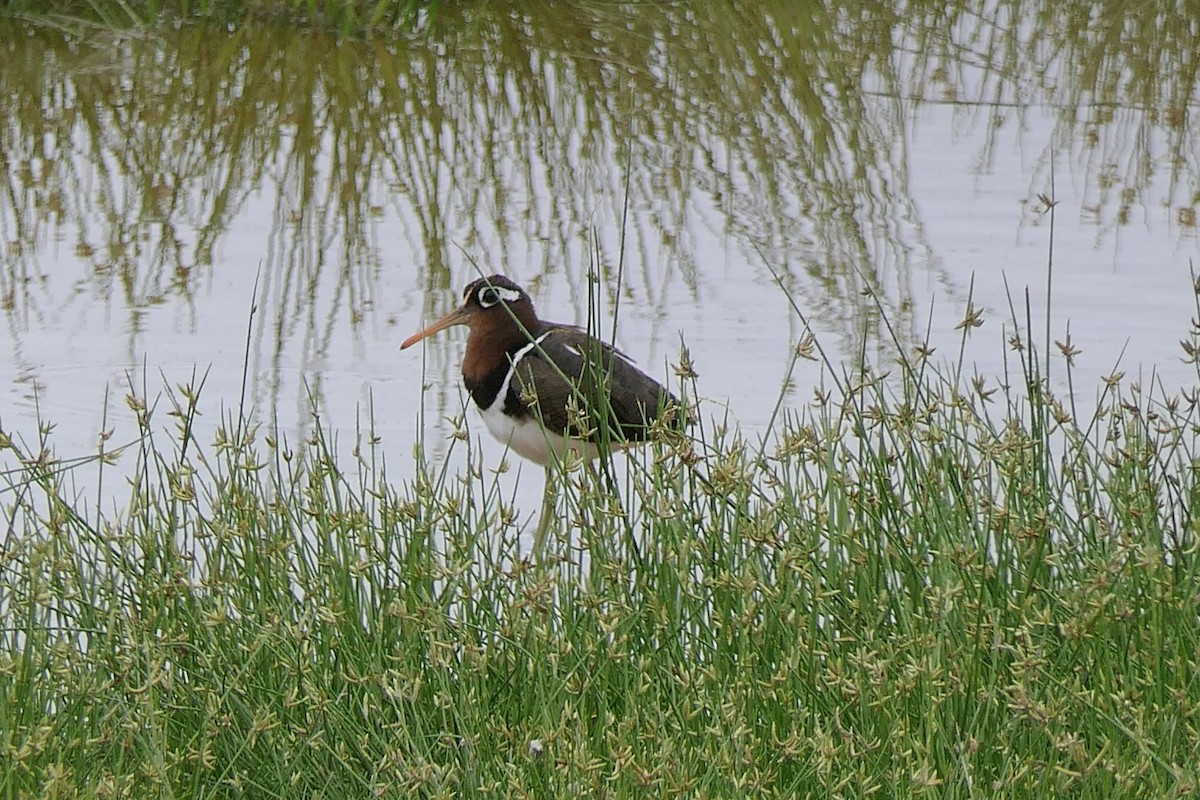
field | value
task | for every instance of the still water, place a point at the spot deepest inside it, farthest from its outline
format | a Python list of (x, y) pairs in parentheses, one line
[(883, 166)]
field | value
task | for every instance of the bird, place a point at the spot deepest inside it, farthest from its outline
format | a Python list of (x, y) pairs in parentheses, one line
[(545, 389)]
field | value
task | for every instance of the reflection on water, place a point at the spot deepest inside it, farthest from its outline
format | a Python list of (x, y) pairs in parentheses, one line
[(149, 180)]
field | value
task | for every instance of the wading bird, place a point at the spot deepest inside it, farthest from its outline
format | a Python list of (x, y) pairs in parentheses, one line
[(545, 389)]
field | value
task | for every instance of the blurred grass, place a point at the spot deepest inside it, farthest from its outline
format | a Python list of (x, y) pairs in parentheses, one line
[(348, 17), (916, 586)]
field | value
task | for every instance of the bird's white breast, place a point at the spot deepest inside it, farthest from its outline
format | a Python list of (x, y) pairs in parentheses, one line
[(526, 437)]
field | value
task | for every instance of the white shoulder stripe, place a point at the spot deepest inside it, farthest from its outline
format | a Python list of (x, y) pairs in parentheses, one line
[(516, 359)]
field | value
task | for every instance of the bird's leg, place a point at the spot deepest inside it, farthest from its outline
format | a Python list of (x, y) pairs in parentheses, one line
[(604, 483), (548, 498)]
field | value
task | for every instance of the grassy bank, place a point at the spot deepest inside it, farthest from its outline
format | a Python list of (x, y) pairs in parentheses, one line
[(920, 585)]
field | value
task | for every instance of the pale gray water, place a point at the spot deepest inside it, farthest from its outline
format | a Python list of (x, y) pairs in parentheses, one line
[(150, 181)]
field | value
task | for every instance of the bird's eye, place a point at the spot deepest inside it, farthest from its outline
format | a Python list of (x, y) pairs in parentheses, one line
[(488, 297)]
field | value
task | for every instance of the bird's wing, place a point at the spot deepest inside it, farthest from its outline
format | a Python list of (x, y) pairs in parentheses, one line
[(573, 374)]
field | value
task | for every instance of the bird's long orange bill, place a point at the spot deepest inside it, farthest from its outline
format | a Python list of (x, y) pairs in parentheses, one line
[(459, 316)]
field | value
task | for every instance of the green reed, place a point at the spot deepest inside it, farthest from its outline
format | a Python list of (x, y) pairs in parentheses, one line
[(918, 584)]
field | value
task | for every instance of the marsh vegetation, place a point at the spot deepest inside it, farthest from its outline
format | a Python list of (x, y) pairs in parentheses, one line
[(916, 585), (905, 557)]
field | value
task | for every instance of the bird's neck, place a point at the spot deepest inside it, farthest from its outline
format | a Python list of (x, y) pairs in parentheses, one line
[(490, 349)]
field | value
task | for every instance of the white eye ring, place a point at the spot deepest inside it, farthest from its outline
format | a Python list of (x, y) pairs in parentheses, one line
[(491, 295)]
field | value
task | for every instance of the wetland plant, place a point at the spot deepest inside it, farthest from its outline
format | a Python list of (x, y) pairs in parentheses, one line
[(918, 584)]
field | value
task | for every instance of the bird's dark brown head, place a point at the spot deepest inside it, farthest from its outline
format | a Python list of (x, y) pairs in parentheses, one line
[(500, 317), (491, 294)]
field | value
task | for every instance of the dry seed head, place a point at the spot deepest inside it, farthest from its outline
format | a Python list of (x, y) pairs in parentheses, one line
[(685, 451), (806, 347), (528, 394), (1068, 350), (686, 369), (979, 384), (1060, 413), (973, 318), (188, 392), (578, 418)]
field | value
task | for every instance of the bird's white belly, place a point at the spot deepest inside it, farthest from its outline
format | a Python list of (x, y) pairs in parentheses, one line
[(526, 437)]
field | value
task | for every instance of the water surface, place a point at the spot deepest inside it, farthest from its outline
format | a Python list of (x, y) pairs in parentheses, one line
[(883, 166)]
